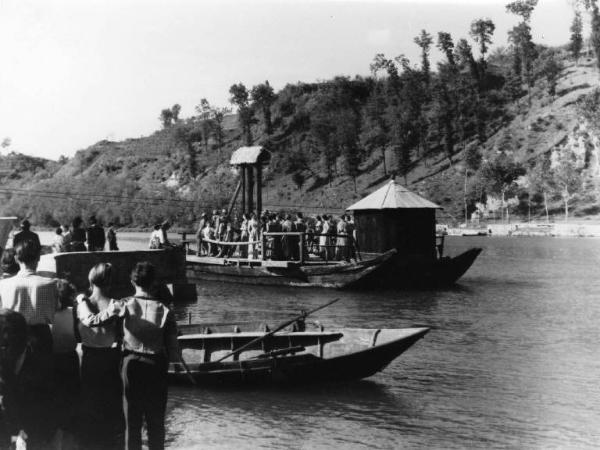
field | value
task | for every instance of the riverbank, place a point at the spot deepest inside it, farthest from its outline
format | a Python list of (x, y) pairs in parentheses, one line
[(530, 229)]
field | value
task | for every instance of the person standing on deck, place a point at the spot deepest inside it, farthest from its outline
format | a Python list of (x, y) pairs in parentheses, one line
[(351, 231), (341, 244), (287, 241), (323, 238), (300, 228), (154, 242), (111, 237), (95, 236), (26, 234), (58, 244), (243, 247), (77, 236), (67, 237), (201, 226), (253, 236)]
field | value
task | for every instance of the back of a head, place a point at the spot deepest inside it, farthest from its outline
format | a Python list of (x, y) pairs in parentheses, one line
[(25, 225), (100, 275), (143, 275), (58, 230), (27, 252), (8, 263), (77, 221), (93, 220), (66, 292)]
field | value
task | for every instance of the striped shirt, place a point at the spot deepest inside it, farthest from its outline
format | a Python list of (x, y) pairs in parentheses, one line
[(32, 295)]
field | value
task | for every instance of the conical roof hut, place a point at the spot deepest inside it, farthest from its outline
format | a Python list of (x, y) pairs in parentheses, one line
[(394, 217)]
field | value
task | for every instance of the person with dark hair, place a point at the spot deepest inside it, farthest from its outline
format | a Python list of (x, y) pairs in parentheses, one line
[(149, 343), (66, 360), (95, 236), (26, 234), (8, 263), (27, 388), (58, 245), (101, 387), (111, 237), (301, 228), (77, 236), (288, 242), (36, 298)]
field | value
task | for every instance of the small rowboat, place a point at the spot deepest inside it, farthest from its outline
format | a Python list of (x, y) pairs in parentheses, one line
[(290, 357)]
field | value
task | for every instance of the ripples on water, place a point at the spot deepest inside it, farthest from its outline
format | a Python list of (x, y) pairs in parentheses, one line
[(513, 361)]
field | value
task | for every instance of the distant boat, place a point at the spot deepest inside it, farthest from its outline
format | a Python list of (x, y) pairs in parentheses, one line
[(290, 357)]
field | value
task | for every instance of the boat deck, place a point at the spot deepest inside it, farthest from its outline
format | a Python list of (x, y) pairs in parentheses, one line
[(213, 260)]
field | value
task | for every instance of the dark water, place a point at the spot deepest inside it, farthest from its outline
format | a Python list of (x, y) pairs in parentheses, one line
[(513, 361)]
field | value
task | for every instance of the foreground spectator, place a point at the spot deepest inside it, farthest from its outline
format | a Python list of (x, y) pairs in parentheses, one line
[(8, 263), (101, 398), (95, 236)]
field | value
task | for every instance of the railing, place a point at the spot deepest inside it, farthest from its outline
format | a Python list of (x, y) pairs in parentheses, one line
[(271, 246)]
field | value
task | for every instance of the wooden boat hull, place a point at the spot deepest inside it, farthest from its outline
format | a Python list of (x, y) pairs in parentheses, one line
[(401, 272), (305, 367), (332, 275)]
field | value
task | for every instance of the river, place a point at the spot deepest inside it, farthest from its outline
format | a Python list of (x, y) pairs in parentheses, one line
[(513, 361)]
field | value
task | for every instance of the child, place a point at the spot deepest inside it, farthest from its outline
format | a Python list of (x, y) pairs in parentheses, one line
[(58, 246)]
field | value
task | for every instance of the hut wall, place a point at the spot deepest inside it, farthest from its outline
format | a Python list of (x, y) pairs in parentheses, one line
[(410, 231)]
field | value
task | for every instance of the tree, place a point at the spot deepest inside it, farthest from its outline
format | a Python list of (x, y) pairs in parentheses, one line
[(481, 32), (166, 117), (550, 68), (595, 34), (240, 98), (188, 136), (576, 41), (566, 176), (6, 142), (523, 8), (539, 180), (175, 110), (472, 159), (500, 174), (521, 39), (446, 46), (424, 40), (373, 135), (204, 110), (263, 97), (217, 116), (464, 56), (524, 53)]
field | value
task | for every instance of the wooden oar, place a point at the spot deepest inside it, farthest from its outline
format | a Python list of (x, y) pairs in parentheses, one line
[(279, 328), (187, 370)]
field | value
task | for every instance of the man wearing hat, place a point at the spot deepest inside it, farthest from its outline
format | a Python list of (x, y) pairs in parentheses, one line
[(95, 236), (26, 235)]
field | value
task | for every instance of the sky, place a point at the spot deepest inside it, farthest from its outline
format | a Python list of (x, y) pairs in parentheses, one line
[(75, 72)]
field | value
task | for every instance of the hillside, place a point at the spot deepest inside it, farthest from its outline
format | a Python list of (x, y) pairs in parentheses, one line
[(336, 141)]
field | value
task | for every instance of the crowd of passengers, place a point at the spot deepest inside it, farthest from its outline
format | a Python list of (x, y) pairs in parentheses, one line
[(324, 236), (100, 396)]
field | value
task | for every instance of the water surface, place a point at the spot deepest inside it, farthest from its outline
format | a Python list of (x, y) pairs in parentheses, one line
[(513, 361)]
